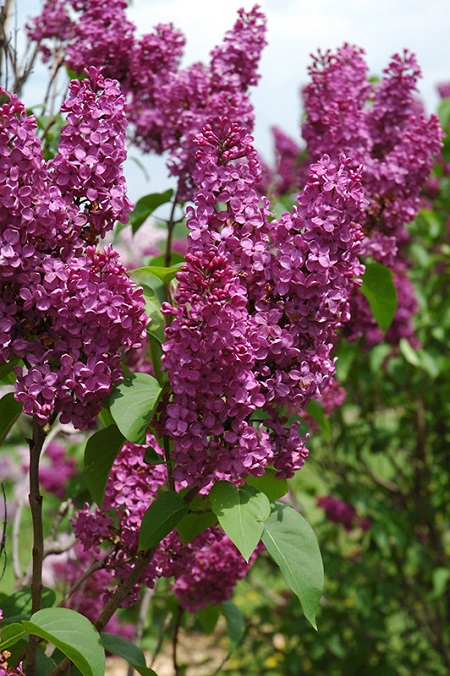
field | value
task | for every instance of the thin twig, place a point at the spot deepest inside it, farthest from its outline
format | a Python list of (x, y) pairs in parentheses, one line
[(176, 633), (36, 444), (139, 626)]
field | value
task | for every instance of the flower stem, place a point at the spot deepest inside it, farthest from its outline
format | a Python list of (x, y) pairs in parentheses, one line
[(35, 499)]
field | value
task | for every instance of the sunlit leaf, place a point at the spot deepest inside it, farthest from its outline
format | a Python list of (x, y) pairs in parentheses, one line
[(292, 544), (133, 403), (161, 518), (101, 450), (241, 513), (73, 634)]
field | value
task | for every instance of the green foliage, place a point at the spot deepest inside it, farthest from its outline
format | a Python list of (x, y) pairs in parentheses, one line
[(199, 518), (11, 634), (269, 484), (146, 205), (73, 634), (379, 289), (165, 274), (292, 543), (241, 513), (235, 624), (7, 377), (163, 515), (133, 403), (10, 410), (101, 450), (17, 605), (116, 645)]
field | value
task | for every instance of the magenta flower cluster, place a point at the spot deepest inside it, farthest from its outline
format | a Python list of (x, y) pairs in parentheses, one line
[(257, 304), (67, 311), (168, 105), (383, 128), (341, 512), (204, 571)]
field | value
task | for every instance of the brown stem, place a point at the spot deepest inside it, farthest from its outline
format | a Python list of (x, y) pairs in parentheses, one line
[(115, 601), (176, 632), (35, 499)]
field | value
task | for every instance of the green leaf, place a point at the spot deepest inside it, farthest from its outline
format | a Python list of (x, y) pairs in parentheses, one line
[(195, 523), (409, 352), (105, 416), (153, 310), (11, 634), (235, 623), (116, 645), (73, 634), (6, 371), (18, 605), (441, 576), (133, 403), (241, 512), (292, 544), (164, 274), (151, 457), (444, 112), (269, 484), (379, 289), (10, 410), (161, 518), (317, 413), (175, 258), (146, 205), (101, 450), (208, 618)]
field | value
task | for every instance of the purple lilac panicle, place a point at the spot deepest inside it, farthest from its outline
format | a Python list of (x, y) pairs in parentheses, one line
[(168, 105), (68, 311), (257, 304), (383, 127)]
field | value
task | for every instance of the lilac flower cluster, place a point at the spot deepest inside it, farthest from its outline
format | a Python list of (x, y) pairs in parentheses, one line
[(68, 311), (204, 571), (382, 127), (257, 304), (341, 512), (168, 106)]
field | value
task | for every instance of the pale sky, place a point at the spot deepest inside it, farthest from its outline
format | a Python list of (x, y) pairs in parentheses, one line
[(295, 29)]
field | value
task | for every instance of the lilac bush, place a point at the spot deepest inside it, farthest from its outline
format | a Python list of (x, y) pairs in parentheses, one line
[(196, 385)]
